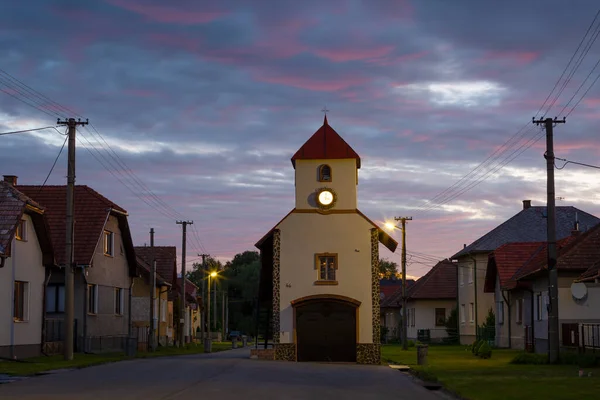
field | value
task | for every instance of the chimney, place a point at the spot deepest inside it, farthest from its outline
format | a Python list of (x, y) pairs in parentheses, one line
[(576, 230), (526, 204), (10, 179), (464, 245)]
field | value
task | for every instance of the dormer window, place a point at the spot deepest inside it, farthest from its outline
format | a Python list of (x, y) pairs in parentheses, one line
[(324, 173)]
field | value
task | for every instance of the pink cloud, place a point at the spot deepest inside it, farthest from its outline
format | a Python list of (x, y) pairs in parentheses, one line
[(178, 41), (140, 93), (353, 54), (515, 57), (591, 102), (167, 14), (318, 85)]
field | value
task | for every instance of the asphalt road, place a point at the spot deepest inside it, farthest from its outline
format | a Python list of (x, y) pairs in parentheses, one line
[(223, 376)]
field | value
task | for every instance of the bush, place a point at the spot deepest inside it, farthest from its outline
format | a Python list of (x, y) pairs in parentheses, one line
[(581, 360), (476, 346), (530, 358), (411, 343), (484, 351)]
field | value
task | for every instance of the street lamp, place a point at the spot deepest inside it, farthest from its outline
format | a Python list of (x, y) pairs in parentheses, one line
[(391, 227), (208, 340)]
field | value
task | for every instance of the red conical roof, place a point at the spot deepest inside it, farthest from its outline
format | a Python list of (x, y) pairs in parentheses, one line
[(326, 143)]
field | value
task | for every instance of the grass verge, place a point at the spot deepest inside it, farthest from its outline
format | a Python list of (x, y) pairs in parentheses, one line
[(474, 378), (38, 365)]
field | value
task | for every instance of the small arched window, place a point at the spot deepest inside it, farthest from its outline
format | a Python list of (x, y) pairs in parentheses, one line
[(324, 173)]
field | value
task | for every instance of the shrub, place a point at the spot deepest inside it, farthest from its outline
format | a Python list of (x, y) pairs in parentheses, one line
[(474, 346), (581, 360), (478, 346), (484, 351), (530, 358), (411, 343)]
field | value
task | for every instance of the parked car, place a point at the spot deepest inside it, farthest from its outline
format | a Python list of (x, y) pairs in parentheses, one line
[(234, 334)]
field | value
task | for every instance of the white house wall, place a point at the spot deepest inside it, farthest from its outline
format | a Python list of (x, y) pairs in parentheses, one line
[(344, 182), (305, 234), (425, 317), (28, 266)]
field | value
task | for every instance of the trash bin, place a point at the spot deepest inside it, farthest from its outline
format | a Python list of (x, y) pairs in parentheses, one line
[(207, 345), (422, 354), (234, 342), (244, 341), (130, 346)]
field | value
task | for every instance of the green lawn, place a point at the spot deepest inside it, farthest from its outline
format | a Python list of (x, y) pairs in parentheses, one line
[(32, 366), (495, 379)]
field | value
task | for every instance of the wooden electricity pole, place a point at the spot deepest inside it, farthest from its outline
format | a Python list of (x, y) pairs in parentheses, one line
[(152, 285), (553, 326), (69, 321), (184, 225), (404, 313)]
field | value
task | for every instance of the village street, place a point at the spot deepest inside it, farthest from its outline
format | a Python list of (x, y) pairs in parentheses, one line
[(223, 376)]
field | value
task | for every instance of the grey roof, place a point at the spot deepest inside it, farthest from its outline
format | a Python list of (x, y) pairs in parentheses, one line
[(12, 205), (529, 225)]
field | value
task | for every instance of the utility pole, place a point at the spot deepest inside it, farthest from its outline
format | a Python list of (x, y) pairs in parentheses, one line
[(152, 291), (208, 342), (404, 313), (553, 339), (222, 312), (215, 304), (184, 225), (202, 295), (69, 245)]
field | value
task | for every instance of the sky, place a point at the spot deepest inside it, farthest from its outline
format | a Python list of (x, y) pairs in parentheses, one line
[(204, 102)]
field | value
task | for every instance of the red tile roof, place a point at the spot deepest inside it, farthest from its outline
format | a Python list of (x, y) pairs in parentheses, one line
[(91, 211), (508, 259), (394, 299), (325, 143), (439, 283), (145, 270), (166, 261)]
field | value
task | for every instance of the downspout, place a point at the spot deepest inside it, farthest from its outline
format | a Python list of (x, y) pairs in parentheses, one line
[(43, 341), (129, 327), (475, 289), (507, 301), (160, 293), (13, 256), (457, 304)]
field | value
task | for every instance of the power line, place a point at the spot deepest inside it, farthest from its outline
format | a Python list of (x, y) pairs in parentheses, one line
[(29, 130), (573, 162), (53, 164)]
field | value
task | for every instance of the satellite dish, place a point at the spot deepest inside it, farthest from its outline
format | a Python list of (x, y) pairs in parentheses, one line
[(578, 291)]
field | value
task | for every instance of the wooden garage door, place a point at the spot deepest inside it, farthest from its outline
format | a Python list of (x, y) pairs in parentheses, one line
[(326, 331)]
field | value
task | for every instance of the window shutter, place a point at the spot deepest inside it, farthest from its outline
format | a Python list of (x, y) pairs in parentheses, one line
[(122, 292), (95, 299)]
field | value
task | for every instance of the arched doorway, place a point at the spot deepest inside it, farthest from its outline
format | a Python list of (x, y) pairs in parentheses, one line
[(326, 328)]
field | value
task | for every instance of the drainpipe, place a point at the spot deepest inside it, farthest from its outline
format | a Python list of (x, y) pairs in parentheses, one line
[(507, 301), (475, 289), (129, 327), (84, 313), (160, 293), (13, 256), (532, 320), (46, 281), (457, 304)]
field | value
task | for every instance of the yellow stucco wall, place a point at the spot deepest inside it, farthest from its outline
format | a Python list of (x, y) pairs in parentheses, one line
[(344, 181), (305, 234)]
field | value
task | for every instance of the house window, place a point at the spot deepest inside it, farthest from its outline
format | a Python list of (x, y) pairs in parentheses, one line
[(92, 299), (108, 243), (324, 173), (21, 232), (471, 273), (119, 301), (471, 312), (163, 310), (461, 274), (538, 307), (20, 301), (500, 312), (545, 305), (519, 311), (327, 266), (55, 298), (462, 313), (440, 317)]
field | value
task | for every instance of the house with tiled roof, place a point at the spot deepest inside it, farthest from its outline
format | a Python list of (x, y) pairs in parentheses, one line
[(391, 306), (26, 256), (517, 275), (104, 262), (166, 267), (141, 304), (430, 301), (319, 274), (192, 315), (528, 225)]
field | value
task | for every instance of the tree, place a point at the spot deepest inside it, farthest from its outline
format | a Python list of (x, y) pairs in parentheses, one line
[(387, 268)]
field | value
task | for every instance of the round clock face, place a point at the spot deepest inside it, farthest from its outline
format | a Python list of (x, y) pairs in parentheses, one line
[(325, 197)]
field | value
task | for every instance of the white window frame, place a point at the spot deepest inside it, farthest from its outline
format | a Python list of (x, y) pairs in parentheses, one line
[(93, 294), (471, 274), (163, 307), (472, 313), (463, 314), (53, 294), (120, 298), (109, 243), (21, 231), (545, 303), (461, 277), (519, 311), (25, 291)]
